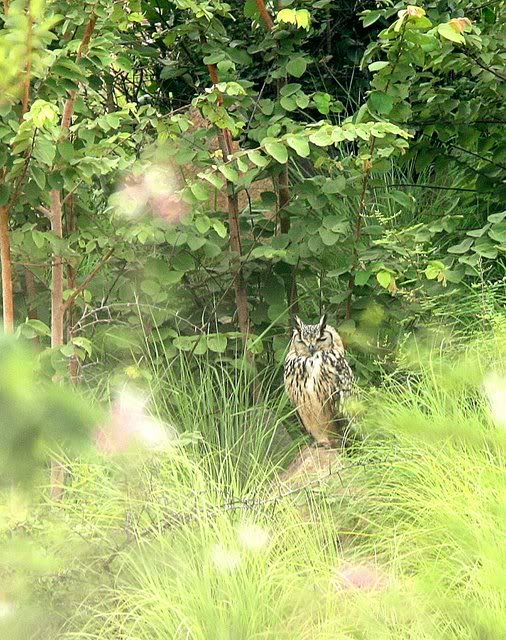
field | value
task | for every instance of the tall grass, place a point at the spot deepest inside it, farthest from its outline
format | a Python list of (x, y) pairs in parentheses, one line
[(200, 542)]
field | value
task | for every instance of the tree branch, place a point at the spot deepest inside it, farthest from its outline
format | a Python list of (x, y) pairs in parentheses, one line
[(71, 299), (482, 64)]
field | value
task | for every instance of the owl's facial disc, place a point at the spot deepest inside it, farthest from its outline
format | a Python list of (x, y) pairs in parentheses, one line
[(310, 342)]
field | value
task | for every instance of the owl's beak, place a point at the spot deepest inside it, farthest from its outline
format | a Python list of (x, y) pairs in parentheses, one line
[(312, 349)]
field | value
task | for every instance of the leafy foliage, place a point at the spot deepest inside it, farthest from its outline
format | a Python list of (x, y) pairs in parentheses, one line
[(390, 199)]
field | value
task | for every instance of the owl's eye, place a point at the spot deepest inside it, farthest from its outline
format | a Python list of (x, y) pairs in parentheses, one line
[(323, 338)]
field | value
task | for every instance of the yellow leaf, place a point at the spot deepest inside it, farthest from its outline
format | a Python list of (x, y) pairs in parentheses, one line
[(287, 15), (459, 25), (303, 18), (300, 18), (412, 11)]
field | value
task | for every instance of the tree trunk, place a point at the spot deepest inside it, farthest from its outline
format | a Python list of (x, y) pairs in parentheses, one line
[(57, 315), (240, 290), (5, 255), (289, 272), (58, 307)]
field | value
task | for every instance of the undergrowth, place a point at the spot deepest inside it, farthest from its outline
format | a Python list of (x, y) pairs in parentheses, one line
[(200, 541)]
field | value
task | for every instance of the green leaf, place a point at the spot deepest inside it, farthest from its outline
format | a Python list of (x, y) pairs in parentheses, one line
[(296, 66), (213, 179), (380, 64), (38, 238), (42, 113), (290, 88), (477, 233), (39, 176), (384, 278), (498, 232), (462, 247), (328, 237), (44, 151), (84, 343), (277, 150), (173, 277), (39, 327), (370, 17), (288, 103), (404, 199), (497, 217), (485, 248), (220, 228), (433, 269), (195, 242), (362, 277), (202, 224), (183, 262), (229, 172), (299, 144), (335, 185), (217, 343), (302, 100), (251, 9), (185, 343), (321, 138), (67, 350), (381, 102), (150, 287), (66, 150), (269, 198), (266, 107), (257, 158), (446, 31), (322, 102), (200, 191), (5, 192)]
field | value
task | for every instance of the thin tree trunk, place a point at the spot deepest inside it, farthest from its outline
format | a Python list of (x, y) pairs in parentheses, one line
[(240, 290), (266, 16), (58, 307), (5, 255), (290, 273), (57, 315), (71, 226), (28, 69), (31, 294), (292, 297), (241, 294), (68, 110), (5, 244)]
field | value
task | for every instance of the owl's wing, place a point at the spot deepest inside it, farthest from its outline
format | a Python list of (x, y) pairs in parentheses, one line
[(343, 385)]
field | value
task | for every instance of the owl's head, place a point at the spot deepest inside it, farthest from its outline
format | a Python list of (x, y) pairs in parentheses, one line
[(308, 339)]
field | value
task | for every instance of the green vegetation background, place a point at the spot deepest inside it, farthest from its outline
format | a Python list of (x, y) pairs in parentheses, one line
[(222, 168)]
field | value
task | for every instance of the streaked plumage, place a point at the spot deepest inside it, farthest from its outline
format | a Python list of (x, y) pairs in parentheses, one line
[(318, 379)]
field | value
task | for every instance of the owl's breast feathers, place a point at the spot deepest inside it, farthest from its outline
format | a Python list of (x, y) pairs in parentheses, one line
[(317, 386)]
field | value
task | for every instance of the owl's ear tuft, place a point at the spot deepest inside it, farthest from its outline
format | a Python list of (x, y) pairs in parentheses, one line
[(323, 322), (297, 324)]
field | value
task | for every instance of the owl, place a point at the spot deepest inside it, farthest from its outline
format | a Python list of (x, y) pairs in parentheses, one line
[(318, 379)]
